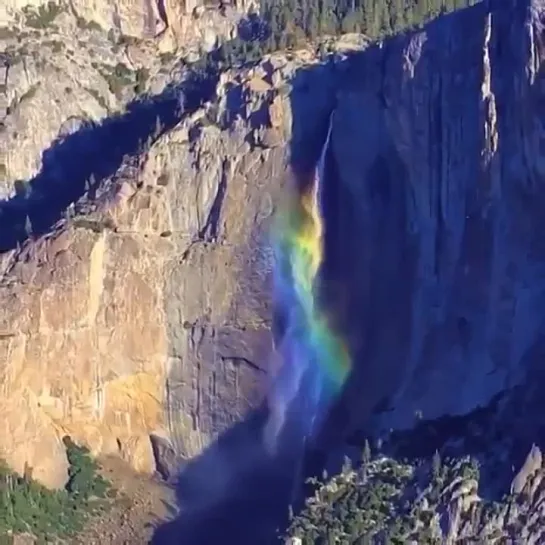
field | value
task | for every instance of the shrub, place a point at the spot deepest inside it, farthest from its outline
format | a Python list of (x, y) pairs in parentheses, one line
[(28, 506), (43, 16)]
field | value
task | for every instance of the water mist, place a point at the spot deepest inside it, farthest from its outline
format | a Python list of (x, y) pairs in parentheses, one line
[(315, 361)]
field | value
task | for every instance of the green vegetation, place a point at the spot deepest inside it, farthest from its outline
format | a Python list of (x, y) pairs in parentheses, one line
[(87, 25), (56, 45), (290, 24), (119, 41), (29, 93), (141, 78), (43, 16), (27, 506), (7, 33), (385, 501), (120, 76), (97, 225), (98, 97), (166, 57), (293, 20)]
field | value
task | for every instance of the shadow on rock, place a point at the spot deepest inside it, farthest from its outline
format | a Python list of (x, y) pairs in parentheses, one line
[(235, 490), (80, 162)]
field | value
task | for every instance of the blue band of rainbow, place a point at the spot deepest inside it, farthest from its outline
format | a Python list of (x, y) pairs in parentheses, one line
[(309, 342)]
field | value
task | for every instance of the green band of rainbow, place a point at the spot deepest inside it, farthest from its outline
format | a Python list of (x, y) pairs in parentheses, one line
[(309, 341)]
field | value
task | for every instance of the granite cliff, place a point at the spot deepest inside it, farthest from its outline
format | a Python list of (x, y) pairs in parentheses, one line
[(134, 316), (436, 169), (433, 271), (172, 23), (136, 307), (95, 304)]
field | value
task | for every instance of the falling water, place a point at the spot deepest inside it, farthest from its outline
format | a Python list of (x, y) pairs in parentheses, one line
[(315, 361)]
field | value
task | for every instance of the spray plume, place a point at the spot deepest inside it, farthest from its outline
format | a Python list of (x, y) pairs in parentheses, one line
[(315, 361)]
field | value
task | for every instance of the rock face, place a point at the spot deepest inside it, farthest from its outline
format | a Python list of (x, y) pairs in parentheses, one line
[(146, 313), (170, 23), (61, 62), (151, 315), (435, 212)]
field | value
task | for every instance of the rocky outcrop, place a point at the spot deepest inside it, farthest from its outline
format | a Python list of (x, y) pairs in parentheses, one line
[(518, 517), (61, 62), (171, 24)]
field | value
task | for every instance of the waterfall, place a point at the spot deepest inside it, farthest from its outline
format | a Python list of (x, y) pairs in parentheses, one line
[(315, 361)]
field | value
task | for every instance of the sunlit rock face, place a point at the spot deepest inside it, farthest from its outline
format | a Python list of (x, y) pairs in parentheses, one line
[(147, 312), (171, 24)]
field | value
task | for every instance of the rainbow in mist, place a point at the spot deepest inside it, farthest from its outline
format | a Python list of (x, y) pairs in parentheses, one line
[(315, 361)]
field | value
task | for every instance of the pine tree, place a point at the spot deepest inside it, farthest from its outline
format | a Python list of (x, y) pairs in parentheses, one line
[(436, 465), (347, 465), (366, 454), (28, 226), (398, 21)]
